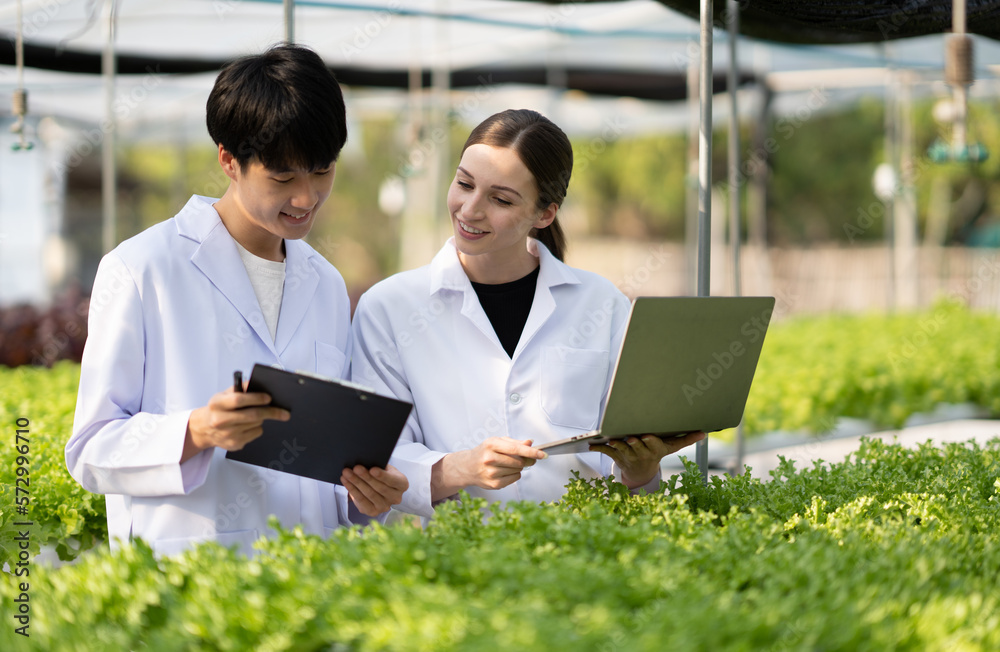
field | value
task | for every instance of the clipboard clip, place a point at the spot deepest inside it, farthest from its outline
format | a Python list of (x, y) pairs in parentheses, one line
[(345, 383)]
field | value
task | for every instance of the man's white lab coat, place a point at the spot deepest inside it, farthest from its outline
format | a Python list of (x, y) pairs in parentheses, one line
[(172, 315)]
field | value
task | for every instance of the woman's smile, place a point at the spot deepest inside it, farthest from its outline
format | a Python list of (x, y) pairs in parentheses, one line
[(470, 231)]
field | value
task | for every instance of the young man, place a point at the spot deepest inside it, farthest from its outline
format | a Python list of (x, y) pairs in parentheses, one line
[(222, 285)]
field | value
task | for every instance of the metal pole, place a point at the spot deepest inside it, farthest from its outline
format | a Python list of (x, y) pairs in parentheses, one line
[(705, 183), (904, 213), (109, 185), (757, 188), (959, 89), (691, 182), (289, 21), (890, 158), (733, 14), (732, 85), (19, 46), (440, 170), (19, 99)]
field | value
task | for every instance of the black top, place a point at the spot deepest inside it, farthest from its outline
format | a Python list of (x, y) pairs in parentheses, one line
[(507, 305)]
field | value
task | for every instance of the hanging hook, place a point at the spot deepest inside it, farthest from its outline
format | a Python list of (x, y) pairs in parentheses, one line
[(20, 99), (959, 73), (20, 109)]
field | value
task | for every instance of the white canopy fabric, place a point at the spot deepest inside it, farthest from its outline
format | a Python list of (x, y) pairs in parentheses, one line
[(636, 35)]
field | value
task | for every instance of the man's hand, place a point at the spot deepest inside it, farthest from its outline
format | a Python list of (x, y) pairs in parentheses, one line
[(374, 490), (639, 457), (230, 421)]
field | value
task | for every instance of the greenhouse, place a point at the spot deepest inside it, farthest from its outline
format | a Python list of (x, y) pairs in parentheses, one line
[(748, 250)]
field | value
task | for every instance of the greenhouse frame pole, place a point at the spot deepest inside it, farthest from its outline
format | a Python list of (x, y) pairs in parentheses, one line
[(960, 92), (289, 21), (732, 85), (691, 181), (109, 185), (705, 184)]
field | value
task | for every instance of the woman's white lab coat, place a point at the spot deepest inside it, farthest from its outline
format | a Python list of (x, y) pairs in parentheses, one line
[(172, 315), (423, 336)]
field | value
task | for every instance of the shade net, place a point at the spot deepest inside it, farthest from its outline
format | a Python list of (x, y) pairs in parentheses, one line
[(843, 21)]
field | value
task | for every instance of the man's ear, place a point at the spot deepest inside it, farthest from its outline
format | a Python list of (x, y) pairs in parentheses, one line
[(228, 163), (547, 216)]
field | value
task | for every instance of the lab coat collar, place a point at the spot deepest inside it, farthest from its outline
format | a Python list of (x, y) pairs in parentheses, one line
[(217, 257), (198, 218), (447, 274)]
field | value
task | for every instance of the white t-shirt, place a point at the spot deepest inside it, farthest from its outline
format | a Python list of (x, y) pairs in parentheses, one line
[(268, 280)]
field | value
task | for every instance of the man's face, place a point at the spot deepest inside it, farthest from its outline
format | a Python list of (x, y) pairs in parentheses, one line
[(274, 204)]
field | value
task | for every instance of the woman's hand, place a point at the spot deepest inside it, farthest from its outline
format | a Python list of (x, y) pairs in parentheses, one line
[(639, 457), (374, 490), (493, 464)]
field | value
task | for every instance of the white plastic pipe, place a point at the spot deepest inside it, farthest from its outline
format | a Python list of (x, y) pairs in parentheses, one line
[(705, 183), (733, 25), (109, 185)]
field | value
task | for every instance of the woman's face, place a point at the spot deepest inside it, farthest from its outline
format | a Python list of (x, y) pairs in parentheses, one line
[(493, 203)]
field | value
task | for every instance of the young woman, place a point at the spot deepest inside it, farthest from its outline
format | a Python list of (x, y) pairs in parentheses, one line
[(497, 343)]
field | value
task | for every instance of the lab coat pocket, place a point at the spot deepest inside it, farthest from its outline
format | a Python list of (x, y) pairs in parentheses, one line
[(330, 360), (573, 382)]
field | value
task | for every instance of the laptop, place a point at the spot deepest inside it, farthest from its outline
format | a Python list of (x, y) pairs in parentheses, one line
[(685, 364)]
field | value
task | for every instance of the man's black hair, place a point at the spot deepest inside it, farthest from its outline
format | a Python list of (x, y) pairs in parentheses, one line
[(283, 108)]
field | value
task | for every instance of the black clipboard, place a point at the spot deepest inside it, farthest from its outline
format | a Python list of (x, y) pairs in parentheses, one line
[(334, 425)]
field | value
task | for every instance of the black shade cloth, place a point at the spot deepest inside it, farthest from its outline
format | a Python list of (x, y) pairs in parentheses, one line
[(669, 85), (846, 21)]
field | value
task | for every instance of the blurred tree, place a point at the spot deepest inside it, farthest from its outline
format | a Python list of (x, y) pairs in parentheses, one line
[(632, 187), (352, 232), (821, 174), (821, 179)]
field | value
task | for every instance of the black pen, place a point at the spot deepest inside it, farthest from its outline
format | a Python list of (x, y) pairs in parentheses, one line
[(238, 381)]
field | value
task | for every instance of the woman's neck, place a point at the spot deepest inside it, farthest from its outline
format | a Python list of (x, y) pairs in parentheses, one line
[(498, 267)]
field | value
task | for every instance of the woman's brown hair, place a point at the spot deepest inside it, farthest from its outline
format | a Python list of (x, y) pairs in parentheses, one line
[(545, 151)]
